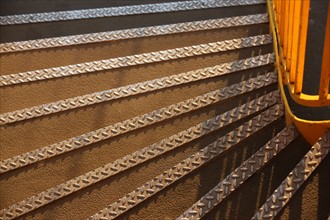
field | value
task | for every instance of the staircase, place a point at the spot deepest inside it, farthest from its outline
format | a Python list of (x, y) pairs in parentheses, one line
[(149, 110)]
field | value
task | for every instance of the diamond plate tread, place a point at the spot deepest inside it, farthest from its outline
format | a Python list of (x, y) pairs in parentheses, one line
[(190, 164), (133, 33), (133, 60), (136, 123), (152, 85), (133, 159), (240, 174), (295, 179), (122, 11)]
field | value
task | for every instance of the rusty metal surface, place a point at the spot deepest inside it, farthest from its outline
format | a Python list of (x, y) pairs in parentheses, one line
[(121, 11), (240, 174), (295, 179), (107, 95), (103, 172), (136, 122), (190, 164), (132, 60), (133, 33)]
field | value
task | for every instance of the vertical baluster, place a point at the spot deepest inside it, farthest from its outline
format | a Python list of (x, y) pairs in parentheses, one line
[(286, 28), (295, 40), (290, 39), (282, 24), (302, 46)]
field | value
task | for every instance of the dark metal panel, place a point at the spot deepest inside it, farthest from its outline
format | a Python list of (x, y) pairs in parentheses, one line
[(314, 46)]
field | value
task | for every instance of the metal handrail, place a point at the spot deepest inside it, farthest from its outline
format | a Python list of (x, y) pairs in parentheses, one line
[(292, 23), (311, 130)]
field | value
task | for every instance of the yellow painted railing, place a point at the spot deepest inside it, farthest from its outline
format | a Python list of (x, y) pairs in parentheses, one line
[(291, 21)]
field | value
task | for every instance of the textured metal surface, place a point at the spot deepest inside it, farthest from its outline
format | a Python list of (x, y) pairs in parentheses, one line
[(121, 11), (152, 85), (132, 60), (135, 123), (240, 174), (188, 165), (110, 169), (133, 33), (295, 179)]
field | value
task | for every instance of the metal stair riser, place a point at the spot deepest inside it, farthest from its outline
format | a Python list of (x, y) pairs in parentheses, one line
[(189, 165), (99, 174), (296, 178), (132, 60), (90, 99), (134, 123), (133, 33), (240, 174), (122, 11)]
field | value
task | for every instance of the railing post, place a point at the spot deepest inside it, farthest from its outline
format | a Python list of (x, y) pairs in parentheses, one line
[(302, 46), (296, 41)]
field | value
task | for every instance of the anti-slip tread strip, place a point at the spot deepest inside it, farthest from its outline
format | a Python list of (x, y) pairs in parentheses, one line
[(296, 178), (188, 165), (134, 89), (133, 33), (135, 123), (103, 172), (249, 167), (122, 11), (132, 60)]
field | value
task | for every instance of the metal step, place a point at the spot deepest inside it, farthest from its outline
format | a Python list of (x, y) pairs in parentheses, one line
[(89, 99), (121, 11), (189, 165), (192, 96), (103, 172), (240, 175), (295, 179), (133, 33), (138, 59), (138, 122)]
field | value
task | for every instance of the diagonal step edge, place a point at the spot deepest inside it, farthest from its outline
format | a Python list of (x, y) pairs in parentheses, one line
[(134, 89), (135, 123), (133, 33), (121, 11), (249, 167), (188, 165), (88, 179), (132, 60), (295, 179)]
